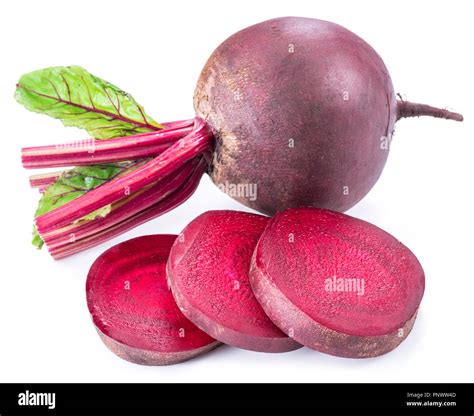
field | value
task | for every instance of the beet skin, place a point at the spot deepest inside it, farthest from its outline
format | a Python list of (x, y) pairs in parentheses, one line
[(335, 283), (208, 274), (304, 110), (133, 309)]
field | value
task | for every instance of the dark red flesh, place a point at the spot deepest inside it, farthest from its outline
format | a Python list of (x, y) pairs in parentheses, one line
[(304, 251), (208, 275), (132, 308)]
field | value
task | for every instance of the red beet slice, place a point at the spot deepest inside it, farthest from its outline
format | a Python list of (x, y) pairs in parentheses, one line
[(133, 309), (208, 274), (335, 283)]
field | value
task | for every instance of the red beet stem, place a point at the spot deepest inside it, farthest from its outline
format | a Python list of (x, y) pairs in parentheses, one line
[(185, 149), (165, 205), (43, 180), (178, 124), (92, 151), (132, 205), (408, 109)]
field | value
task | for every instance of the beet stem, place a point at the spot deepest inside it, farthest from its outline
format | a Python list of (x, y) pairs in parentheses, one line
[(408, 109), (185, 149), (93, 151), (167, 204), (126, 208), (43, 180)]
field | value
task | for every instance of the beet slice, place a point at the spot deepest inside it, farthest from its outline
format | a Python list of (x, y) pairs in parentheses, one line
[(208, 274), (335, 283), (132, 307)]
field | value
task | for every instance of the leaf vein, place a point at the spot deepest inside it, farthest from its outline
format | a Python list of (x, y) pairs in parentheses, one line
[(94, 110)]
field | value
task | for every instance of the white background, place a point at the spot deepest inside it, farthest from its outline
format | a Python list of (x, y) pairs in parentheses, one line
[(155, 50)]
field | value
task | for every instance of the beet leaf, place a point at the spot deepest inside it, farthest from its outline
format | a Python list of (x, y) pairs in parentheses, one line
[(83, 100)]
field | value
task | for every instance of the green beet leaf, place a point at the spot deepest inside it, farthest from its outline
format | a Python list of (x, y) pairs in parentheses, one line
[(83, 100)]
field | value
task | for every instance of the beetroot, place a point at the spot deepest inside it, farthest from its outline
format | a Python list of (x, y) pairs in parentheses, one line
[(208, 275), (133, 309), (304, 109), (335, 283), (290, 112)]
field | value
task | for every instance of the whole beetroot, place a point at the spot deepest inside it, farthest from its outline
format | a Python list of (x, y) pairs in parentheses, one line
[(290, 112), (304, 109)]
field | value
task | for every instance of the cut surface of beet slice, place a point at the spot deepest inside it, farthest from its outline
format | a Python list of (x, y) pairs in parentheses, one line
[(208, 275), (133, 309), (335, 283)]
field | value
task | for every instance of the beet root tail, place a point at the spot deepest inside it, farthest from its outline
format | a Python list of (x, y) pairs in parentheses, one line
[(408, 109)]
